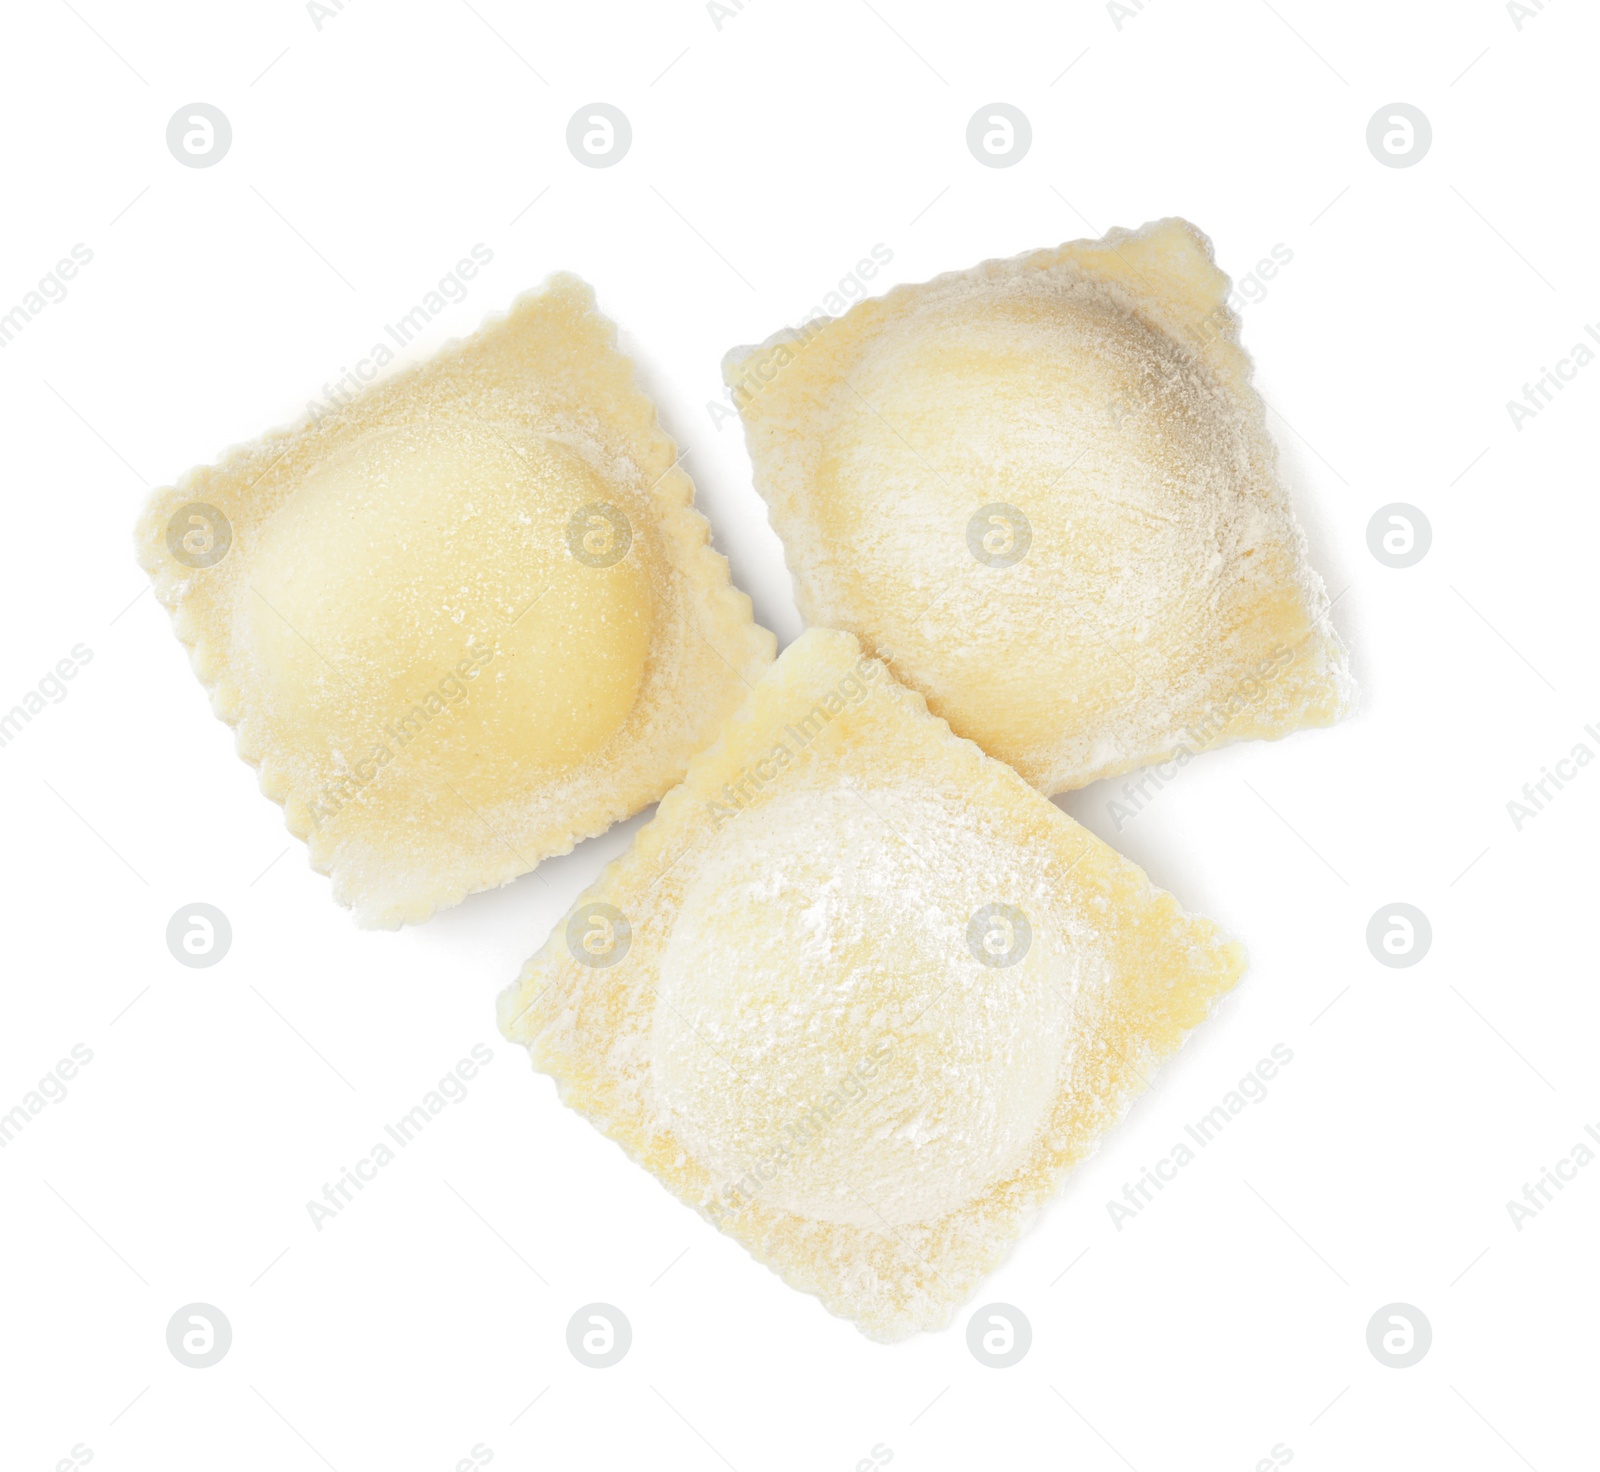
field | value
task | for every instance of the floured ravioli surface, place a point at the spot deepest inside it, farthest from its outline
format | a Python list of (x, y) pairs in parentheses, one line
[(1044, 490), (860, 995), (467, 619)]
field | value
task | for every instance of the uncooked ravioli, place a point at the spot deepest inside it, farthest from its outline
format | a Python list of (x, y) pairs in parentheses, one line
[(1043, 489), (466, 619), (860, 995)]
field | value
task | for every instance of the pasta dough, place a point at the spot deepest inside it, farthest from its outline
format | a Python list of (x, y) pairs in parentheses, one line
[(464, 620), (860, 995), (1044, 490)]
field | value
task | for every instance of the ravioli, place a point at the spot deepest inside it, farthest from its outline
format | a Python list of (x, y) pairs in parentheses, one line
[(860, 995), (465, 619), (1045, 489)]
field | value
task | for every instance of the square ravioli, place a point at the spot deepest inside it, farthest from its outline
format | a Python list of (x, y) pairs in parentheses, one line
[(464, 620), (860, 995), (1046, 485)]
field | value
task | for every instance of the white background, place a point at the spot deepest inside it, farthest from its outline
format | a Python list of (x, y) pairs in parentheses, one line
[(768, 157)]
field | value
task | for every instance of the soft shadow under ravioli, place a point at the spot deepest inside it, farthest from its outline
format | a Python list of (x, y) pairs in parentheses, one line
[(1152, 596), (860, 995), (465, 620)]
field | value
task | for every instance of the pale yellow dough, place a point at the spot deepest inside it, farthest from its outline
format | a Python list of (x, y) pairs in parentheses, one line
[(467, 619), (1155, 597), (860, 995)]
